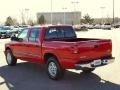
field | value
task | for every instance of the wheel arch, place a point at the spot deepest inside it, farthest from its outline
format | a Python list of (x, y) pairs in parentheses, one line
[(7, 48), (47, 55)]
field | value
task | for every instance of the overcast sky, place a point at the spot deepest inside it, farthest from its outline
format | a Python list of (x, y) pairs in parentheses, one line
[(92, 7)]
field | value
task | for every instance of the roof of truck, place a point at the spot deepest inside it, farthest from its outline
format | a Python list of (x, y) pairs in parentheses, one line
[(37, 26)]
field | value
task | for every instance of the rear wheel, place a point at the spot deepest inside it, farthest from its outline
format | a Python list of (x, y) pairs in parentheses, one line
[(88, 70), (10, 59), (54, 69)]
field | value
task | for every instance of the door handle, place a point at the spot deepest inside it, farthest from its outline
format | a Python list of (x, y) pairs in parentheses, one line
[(96, 46), (26, 45), (37, 46)]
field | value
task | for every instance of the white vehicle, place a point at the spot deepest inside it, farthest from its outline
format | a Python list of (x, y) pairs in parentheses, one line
[(97, 26), (90, 26), (106, 26)]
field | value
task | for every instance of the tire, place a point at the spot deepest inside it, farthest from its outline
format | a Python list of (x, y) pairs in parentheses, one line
[(5, 36), (10, 59), (88, 70), (54, 69)]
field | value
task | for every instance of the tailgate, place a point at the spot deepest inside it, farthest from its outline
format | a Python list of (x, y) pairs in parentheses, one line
[(94, 49)]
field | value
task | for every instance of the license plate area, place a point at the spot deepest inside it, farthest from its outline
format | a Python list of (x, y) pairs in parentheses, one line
[(96, 62)]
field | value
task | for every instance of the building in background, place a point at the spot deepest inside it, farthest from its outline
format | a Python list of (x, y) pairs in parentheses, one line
[(106, 20), (71, 18)]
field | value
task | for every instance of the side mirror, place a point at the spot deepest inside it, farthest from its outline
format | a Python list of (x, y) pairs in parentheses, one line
[(14, 38)]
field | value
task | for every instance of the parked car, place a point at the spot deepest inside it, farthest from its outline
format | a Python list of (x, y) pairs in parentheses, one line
[(82, 28), (5, 32), (90, 26), (15, 29), (116, 25), (97, 26), (59, 48), (24, 26), (106, 26)]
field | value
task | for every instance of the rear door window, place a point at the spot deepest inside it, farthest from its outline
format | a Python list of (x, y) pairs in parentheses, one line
[(34, 35)]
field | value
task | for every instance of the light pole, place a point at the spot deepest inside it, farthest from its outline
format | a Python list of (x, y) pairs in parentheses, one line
[(51, 13), (26, 11), (64, 15), (102, 8), (22, 17), (75, 3), (113, 12)]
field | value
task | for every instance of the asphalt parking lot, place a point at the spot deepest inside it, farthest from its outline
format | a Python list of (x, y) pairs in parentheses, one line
[(30, 76)]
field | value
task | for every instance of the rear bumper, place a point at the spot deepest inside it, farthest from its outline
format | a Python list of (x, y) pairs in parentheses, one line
[(90, 64)]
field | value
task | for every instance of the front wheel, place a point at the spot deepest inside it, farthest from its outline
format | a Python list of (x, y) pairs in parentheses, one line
[(54, 69), (11, 60)]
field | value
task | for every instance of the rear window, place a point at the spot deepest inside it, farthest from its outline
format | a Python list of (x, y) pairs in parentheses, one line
[(60, 32)]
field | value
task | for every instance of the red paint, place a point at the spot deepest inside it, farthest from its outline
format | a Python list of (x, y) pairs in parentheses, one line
[(68, 52)]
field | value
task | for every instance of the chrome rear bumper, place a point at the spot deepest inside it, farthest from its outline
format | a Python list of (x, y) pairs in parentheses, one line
[(90, 64)]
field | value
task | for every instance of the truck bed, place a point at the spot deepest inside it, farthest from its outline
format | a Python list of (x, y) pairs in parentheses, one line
[(81, 49)]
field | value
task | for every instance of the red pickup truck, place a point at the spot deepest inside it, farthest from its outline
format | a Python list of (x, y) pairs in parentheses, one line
[(59, 48)]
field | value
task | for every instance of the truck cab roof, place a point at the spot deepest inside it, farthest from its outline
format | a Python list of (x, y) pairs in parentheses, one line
[(46, 26)]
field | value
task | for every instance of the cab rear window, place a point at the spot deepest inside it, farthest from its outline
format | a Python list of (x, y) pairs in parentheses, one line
[(60, 32)]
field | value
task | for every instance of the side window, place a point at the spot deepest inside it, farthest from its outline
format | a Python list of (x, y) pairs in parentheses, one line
[(23, 34), (51, 33), (34, 35)]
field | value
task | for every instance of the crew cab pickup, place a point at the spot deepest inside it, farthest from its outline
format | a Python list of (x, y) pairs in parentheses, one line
[(59, 48)]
